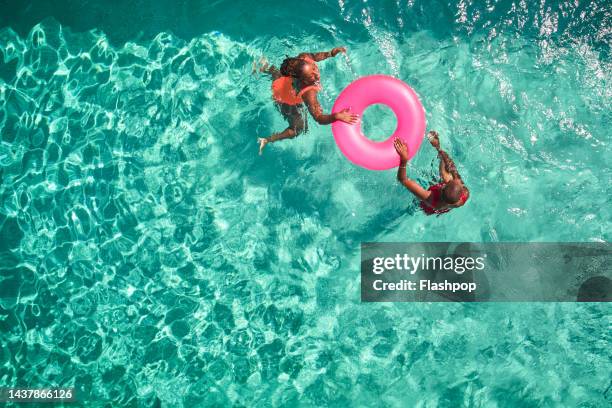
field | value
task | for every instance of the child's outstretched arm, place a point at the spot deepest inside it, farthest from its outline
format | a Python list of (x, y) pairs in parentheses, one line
[(448, 170), (264, 67), (320, 56)]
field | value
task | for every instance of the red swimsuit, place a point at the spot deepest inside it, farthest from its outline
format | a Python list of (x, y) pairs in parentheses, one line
[(436, 197)]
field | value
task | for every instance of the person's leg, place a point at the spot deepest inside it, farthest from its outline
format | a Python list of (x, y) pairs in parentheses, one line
[(296, 121)]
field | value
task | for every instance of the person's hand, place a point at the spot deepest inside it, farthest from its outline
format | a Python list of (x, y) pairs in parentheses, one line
[(262, 66), (346, 116), (434, 139), (401, 148), (337, 51)]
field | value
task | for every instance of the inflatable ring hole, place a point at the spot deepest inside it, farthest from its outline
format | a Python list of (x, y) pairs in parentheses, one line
[(378, 122)]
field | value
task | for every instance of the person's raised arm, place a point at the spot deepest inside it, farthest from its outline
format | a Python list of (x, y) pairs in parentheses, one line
[(449, 165), (314, 107), (448, 170), (414, 187), (444, 175), (320, 56)]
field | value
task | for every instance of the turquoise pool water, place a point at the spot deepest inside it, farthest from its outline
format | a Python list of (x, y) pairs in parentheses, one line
[(150, 257)]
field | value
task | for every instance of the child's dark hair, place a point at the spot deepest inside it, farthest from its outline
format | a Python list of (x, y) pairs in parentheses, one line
[(292, 67)]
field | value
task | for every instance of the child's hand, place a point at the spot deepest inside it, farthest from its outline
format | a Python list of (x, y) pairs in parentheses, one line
[(434, 139), (337, 51), (346, 116)]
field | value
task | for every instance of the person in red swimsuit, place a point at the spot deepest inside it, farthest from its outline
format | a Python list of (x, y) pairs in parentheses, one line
[(441, 197), (296, 83)]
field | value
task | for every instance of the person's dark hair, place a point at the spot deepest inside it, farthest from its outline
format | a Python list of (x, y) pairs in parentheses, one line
[(292, 67), (451, 193)]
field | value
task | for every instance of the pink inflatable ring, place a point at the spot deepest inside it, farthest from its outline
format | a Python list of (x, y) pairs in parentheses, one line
[(402, 100)]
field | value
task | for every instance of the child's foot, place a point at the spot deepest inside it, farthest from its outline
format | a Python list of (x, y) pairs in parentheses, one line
[(262, 143)]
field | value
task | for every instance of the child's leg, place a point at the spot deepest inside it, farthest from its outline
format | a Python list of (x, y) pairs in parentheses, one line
[(297, 125)]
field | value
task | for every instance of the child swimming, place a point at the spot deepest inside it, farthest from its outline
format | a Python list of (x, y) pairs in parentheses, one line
[(296, 84), (441, 197)]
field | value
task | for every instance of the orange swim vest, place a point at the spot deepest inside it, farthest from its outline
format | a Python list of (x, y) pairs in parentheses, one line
[(283, 91)]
